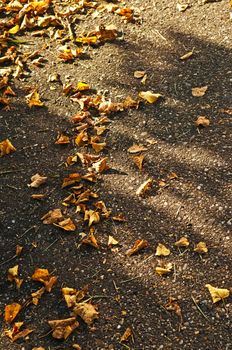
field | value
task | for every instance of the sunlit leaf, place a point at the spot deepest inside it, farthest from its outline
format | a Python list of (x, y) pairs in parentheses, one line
[(11, 311), (37, 180), (182, 242), (217, 294), (6, 147), (201, 248), (144, 187), (61, 329), (161, 250), (126, 335), (199, 91), (149, 96), (138, 245), (202, 121), (87, 312)]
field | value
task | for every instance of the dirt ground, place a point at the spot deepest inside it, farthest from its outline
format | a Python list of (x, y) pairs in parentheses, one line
[(196, 204)]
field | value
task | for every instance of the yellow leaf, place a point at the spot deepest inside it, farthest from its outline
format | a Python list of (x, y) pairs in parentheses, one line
[(139, 74), (87, 40), (19, 249), (182, 242), (217, 294), (43, 276), (37, 180), (182, 7), (163, 270), (128, 333), (15, 333), (33, 99), (138, 160), (61, 329), (144, 187), (202, 121), (71, 179), (136, 149), (11, 311), (14, 29), (81, 86), (73, 296), (37, 295), (201, 248), (149, 96), (87, 312), (98, 147), (13, 276), (187, 55), (138, 245), (199, 91), (161, 250), (112, 241), (91, 240), (67, 225), (62, 140), (52, 216), (6, 147)]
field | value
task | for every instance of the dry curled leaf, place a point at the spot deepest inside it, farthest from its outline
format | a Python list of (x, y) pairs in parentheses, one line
[(73, 296), (66, 225), (62, 140), (38, 196), (61, 329), (92, 216), (201, 248), (33, 99), (149, 96), (43, 276), (15, 333), (161, 250), (19, 249), (6, 147), (186, 56), (126, 335), (164, 269), (217, 294), (76, 346), (138, 245), (111, 241), (144, 187), (172, 305), (52, 217), (182, 7), (139, 74), (13, 276), (87, 312), (37, 295), (182, 242), (199, 91), (37, 180), (136, 149), (71, 179), (91, 239), (202, 121), (11, 311)]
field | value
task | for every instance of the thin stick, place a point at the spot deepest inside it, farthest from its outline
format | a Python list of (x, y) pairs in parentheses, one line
[(97, 297), (9, 171), (199, 309), (29, 229), (8, 260), (125, 346), (50, 245), (131, 279)]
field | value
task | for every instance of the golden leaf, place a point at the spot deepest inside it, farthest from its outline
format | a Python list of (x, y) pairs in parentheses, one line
[(138, 160), (187, 55), (182, 242), (15, 333), (111, 241), (98, 147), (91, 240), (52, 216), (81, 86), (161, 250), (87, 312), (139, 74), (149, 96), (202, 121), (130, 103), (92, 216), (14, 30), (62, 140), (76, 346), (163, 270), (71, 179), (119, 218), (217, 294), (43, 276), (19, 249), (37, 180), (201, 248), (136, 149), (67, 225), (61, 329), (144, 187), (138, 245), (199, 91), (100, 166), (9, 92), (38, 196), (172, 176), (87, 40), (81, 138), (182, 7), (105, 213), (11, 311), (37, 295), (13, 276), (73, 296), (33, 99), (6, 147), (128, 333)]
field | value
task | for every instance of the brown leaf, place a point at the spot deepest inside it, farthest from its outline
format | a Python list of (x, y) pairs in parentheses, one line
[(164, 269), (43, 276), (73, 296), (172, 305), (61, 329), (71, 179), (6, 147), (33, 99), (139, 74), (67, 225), (100, 166), (62, 140), (182, 242), (87, 312), (126, 335), (136, 149), (201, 248), (52, 217), (202, 121), (138, 245), (38, 196), (144, 187), (90, 239), (11, 311), (91, 216), (161, 250), (138, 160), (15, 333), (199, 91), (13, 276), (19, 249), (37, 295), (37, 180), (119, 218)]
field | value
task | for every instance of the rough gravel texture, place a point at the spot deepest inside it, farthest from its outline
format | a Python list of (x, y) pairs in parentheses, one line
[(197, 204)]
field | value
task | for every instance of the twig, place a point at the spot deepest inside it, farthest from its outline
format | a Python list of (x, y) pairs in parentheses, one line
[(97, 297), (160, 35), (9, 171), (115, 286), (8, 260), (199, 309), (148, 258), (125, 346), (50, 245), (174, 274), (29, 229), (131, 279), (44, 335)]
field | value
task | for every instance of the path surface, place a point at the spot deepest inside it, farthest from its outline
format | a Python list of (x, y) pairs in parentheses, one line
[(197, 204)]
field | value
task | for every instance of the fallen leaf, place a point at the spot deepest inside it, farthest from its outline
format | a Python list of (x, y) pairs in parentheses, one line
[(136, 149), (201, 248), (73, 296), (172, 176), (52, 217), (138, 160), (172, 305), (163, 270), (139, 74), (13, 276), (144, 187), (186, 56), (37, 295), (126, 335), (71, 179), (38, 196), (61, 329), (119, 218), (182, 7), (217, 294), (81, 86), (43, 276), (149, 96), (91, 239), (76, 346), (33, 99), (19, 249), (39, 348), (112, 241), (87, 312), (11, 311), (92, 216), (202, 121), (37, 180), (138, 245), (62, 140), (182, 242), (100, 166), (67, 225), (6, 147), (161, 250), (199, 91), (15, 333)]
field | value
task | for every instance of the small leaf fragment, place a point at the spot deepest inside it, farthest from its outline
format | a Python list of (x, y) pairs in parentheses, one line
[(182, 7), (139, 74), (33, 99), (201, 248), (186, 56), (138, 245), (202, 121), (144, 187), (111, 241), (37, 180), (6, 147), (138, 160), (136, 149), (199, 91), (163, 270), (161, 250), (149, 96), (87, 312), (66, 225), (182, 242), (217, 294), (11, 311), (43, 276), (126, 335), (61, 329)]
